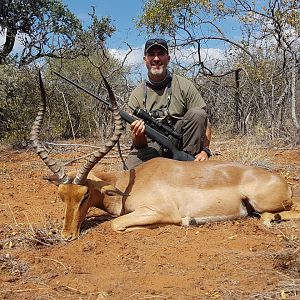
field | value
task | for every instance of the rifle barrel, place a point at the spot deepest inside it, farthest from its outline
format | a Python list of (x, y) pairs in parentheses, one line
[(152, 133), (83, 89)]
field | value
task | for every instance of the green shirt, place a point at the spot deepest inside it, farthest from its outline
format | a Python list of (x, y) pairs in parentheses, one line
[(184, 96)]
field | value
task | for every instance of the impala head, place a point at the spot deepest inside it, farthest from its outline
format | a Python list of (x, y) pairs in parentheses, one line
[(77, 203), (77, 191)]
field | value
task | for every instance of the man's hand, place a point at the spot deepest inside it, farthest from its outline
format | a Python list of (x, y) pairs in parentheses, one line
[(137, 128), (201, 156), (138, 133)]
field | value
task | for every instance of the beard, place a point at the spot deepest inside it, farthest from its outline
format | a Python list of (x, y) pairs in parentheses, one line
[(157, 70)]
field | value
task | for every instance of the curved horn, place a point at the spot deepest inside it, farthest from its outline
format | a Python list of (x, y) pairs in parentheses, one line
[(55, 166), (98, 155)]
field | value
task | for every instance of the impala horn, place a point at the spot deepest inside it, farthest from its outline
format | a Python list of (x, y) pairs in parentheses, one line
[(98, 155), (55, 166)]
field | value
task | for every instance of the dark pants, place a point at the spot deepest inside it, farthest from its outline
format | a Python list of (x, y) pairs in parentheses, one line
[(192, 126)]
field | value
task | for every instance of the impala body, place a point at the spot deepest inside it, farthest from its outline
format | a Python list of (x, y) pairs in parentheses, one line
[(161, 191), (164, 191)]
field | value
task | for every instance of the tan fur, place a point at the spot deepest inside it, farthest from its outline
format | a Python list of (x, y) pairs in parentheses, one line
[(163, 191)]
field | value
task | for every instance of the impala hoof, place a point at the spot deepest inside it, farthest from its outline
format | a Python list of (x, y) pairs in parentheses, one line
[(68, 237), (117, 227)]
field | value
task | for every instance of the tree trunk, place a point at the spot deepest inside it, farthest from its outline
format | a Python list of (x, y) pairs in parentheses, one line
[(293, 96), (8, 45), (237, 102)]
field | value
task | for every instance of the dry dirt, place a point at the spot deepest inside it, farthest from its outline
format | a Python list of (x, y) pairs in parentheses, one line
[(230, 260)]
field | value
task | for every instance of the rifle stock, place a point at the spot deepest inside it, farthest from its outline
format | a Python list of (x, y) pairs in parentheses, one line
[(150, 132)]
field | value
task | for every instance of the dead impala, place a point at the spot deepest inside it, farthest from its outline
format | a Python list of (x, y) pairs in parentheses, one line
[(161, 191)]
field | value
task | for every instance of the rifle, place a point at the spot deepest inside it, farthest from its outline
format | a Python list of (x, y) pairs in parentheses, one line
[(149, 131), (152, 122)]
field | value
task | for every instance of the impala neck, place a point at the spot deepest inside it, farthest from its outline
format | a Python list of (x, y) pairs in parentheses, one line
[(114, 204)]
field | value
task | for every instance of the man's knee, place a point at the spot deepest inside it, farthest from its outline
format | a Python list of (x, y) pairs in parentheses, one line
[(138, 156), (196, 114), (196, 117)]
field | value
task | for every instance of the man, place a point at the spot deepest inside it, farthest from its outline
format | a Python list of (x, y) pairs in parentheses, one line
[(175, 101)]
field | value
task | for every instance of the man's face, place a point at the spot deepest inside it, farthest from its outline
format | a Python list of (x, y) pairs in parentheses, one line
[(156, 61)]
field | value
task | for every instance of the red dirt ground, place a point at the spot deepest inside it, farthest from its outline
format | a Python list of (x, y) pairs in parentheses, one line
[(230, 260)]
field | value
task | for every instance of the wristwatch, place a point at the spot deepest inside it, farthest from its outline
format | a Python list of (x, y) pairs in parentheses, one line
[(207, 151)]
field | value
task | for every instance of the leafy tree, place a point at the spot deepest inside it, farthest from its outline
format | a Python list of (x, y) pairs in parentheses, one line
[(273, 30), (268, 50), (70, 112), (93, 39), (43, 27), (74, 113), (19, 97), (82, 115)]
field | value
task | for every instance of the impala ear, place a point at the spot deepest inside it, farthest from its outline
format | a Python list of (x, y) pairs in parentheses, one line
[(52, 179), (111, 190), (107, 189)]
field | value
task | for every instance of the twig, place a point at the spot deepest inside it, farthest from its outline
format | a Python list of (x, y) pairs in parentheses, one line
[(39, 241), (153, 296), (68, 112), (23, 291), (75, 145), (29, 223), (80, 145), (72, 289), (131, 295), (16, 223), (45, 258), (84, 156), (77, 158)]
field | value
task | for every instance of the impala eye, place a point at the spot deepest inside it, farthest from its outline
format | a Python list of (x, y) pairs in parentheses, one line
[(84, 198)]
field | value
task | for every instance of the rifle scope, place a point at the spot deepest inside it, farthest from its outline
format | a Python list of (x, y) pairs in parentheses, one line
[(140, 113)]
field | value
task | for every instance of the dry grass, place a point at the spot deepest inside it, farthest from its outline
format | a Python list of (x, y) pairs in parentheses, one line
[(247, 150), (287, 263), (243, 150), (289, 291), (28, 235), (11, 265)]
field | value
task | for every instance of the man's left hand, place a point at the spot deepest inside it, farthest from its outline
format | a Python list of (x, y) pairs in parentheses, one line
[(201, 156)]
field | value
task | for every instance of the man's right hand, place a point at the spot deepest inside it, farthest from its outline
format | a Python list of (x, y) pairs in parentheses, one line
[(138, 133), (138, 127)]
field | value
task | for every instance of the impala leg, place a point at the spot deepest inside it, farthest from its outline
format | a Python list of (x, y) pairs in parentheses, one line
[(143, 218), (268, 218)]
